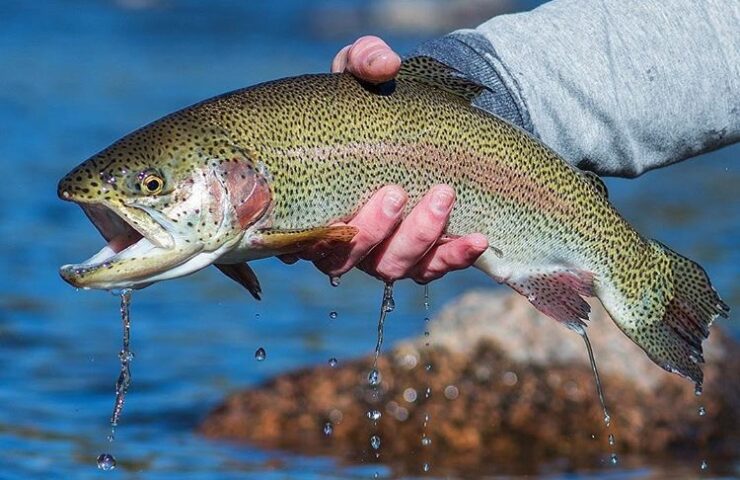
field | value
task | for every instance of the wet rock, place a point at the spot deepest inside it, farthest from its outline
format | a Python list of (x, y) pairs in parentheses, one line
[(505, 383)]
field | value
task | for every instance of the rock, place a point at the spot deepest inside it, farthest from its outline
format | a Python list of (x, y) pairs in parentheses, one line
[(505, 383)]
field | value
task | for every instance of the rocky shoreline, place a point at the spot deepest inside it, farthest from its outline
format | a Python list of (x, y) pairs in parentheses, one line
[(505, 383)]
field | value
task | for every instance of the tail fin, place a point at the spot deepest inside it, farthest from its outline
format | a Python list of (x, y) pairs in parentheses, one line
[(669, 313)]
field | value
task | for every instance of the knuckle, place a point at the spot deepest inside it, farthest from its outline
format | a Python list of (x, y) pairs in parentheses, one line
[(427, 234)]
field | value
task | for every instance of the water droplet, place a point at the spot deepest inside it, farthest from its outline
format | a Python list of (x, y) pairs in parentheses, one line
[(428, 392), (612, 440), (333, 315), (704, 465), (125, 356), (451, 392), (328, 429), (426, 418), (334, 281), (106, 461), (409, 395), (111, 437), (426, 467), (388, 303), (613, 459), (373, 378), (260, 354), (375, 442), (374, 415), (257, 316), (593, 436), (428, 367), (426, 441), (332, 362), (607, 419), (702, 411), (426, 333), (698, 390)]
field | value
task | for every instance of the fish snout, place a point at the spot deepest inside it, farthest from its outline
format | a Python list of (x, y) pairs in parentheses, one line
[(65, 188)]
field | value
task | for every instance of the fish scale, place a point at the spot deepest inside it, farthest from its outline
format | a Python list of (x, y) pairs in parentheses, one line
[(268, 169)]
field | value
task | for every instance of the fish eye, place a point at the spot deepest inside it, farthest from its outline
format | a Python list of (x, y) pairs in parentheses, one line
[(152, 184)]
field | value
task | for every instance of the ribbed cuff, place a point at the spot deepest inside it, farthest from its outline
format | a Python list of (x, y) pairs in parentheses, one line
[(471, 53)]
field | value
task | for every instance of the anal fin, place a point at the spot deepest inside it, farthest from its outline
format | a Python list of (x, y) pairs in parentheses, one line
[(558, 294)]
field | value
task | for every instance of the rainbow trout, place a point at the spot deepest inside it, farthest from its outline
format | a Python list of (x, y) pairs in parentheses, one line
[(269, 169)]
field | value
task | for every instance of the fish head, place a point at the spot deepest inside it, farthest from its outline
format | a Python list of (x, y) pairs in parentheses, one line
[(169, 199)]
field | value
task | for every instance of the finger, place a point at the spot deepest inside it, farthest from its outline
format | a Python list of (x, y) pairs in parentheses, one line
[(340, 60), (371, 59), (457, 254), (375, 221), (415, 236)]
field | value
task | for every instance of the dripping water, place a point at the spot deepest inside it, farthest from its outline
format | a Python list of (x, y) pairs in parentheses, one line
[(582, 332), (125, 356), (106, 461), (613, 459), (374, 415), (698, 391), (373, 378), (260, 354), (425, 440), (387, 306)]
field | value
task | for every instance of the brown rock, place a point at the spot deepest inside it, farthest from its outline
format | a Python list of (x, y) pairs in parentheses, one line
[(505, 383)]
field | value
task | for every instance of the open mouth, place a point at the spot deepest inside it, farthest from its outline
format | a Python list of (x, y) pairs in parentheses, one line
[(119, 234), (124, 241)]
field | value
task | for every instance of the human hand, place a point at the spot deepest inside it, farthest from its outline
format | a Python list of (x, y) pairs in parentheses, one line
[(369, 58), (387, 246)]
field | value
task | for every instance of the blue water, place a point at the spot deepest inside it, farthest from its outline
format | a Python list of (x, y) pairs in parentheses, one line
[(75, 76)]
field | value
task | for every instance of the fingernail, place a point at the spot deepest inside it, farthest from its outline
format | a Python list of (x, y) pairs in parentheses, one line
[(376, 56), (392, 203), (441, 202)]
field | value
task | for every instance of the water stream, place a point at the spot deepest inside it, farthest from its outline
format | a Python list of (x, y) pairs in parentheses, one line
[(597, 380), (107, 461)]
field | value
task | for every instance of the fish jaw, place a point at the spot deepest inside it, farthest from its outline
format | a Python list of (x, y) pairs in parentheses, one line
[(139, 251)]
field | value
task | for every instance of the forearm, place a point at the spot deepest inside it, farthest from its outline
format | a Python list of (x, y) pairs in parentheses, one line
[(618, 86)]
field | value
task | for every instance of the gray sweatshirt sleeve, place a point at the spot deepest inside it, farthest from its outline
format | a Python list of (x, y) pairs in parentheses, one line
[(618, 87)]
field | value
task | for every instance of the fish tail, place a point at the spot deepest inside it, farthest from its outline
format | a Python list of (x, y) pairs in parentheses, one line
[(665, 304)]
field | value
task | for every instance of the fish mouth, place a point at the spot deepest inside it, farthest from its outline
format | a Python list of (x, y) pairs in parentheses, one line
[(138, 251)]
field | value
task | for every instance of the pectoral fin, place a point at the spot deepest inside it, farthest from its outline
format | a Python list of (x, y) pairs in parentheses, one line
[(290, 241), (242, 274)]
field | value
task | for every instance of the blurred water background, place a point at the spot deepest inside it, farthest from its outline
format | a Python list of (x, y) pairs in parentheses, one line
[(75, 76)]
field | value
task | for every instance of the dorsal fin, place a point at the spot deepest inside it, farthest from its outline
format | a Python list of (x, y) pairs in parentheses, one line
[(595, 182), (436, 74)]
